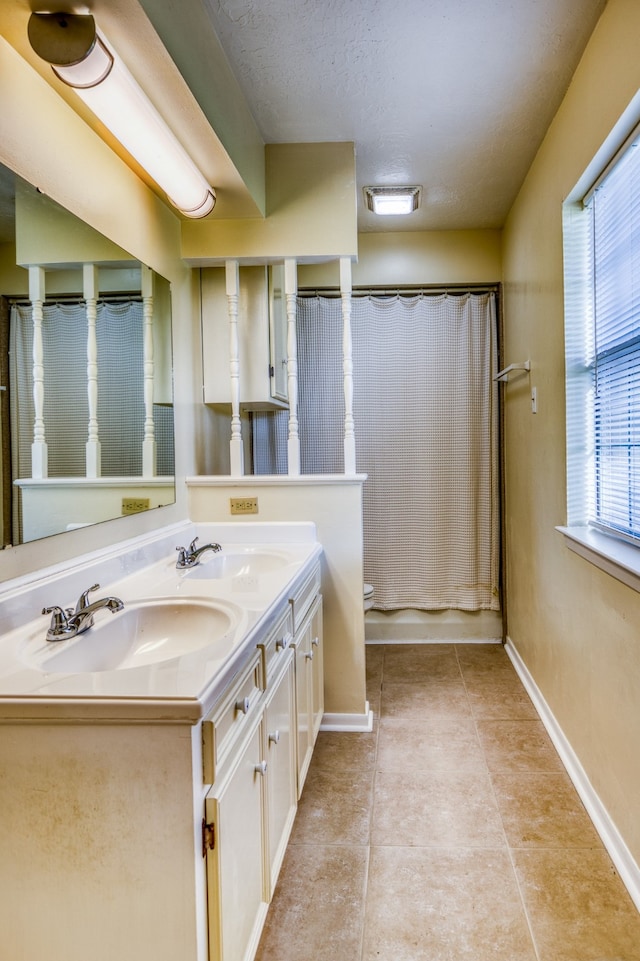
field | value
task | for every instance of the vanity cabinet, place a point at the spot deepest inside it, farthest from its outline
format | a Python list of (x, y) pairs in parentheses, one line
[(257, 746), (144, 831), (262, 338)]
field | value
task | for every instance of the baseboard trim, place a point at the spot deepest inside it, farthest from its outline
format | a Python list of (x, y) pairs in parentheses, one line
[(618, 851), (362, 723)]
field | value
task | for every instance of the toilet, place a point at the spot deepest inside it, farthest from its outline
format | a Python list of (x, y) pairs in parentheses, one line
[(368, 597)]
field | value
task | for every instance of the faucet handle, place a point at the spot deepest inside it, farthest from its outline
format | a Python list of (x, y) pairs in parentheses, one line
[(84, 598), (59, 627), (192, 545)]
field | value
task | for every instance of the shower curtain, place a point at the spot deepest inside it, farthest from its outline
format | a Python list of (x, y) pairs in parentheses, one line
[(426, 421)]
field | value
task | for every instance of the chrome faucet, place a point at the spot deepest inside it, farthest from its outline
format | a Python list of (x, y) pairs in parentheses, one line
[(191, 556), (66, 623)]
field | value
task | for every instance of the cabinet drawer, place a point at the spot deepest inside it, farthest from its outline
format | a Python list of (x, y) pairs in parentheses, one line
[(231, 716), (301, 600), (276, 645)]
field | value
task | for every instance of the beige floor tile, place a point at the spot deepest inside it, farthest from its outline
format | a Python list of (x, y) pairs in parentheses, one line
[(517, 745), (543, 810), (428, 905), (483, 658), (435, 744), (578, 907), (498, 694), (429, 809), (317, 910), (335, 808), (403, 663), (425, 698), (346, 753)]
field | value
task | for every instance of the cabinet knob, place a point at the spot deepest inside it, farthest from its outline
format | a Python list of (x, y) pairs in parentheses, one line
[(281, 643), (315, 641), (261, 768), (243, 705), (275, 737), (309, 655)]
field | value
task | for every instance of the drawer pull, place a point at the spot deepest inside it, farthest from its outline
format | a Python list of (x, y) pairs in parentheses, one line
[(316, 641), (243, 705), (261, 768), (275, 737), (309, 655), (281, 643)]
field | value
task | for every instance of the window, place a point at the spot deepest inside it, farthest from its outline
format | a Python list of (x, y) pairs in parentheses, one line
[(614, 267), (602, 312)]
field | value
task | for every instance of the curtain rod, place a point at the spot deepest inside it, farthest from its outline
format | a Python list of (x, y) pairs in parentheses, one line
[(408, 291), (76, 298)]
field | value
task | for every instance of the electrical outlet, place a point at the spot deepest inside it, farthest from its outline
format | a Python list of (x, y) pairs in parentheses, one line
[(133, 505), (244, 505)]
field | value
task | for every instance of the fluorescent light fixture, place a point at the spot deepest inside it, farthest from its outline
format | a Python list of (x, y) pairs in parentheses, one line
[(84, 61), (392, 201)]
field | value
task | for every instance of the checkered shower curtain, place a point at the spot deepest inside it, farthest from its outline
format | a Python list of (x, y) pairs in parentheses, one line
[(426, 422)]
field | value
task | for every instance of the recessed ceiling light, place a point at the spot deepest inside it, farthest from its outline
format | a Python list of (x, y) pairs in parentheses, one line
[(396, 201)]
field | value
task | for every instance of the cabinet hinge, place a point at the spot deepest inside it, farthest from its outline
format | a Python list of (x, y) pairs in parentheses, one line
[(272, 370), (208, 837)]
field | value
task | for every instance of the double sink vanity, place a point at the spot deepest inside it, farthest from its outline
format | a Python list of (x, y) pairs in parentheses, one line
[(157, 720)]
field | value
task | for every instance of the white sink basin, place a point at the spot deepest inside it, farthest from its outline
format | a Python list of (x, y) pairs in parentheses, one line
[(238, 564), (146, 632)]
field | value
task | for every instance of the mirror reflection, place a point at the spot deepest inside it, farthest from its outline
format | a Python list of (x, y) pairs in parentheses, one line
[(86, 404)]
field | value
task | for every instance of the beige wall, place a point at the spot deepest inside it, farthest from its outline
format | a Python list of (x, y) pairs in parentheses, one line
[(576, 628)]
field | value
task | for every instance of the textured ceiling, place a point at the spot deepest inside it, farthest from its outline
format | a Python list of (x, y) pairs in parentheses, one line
[(454, 95)]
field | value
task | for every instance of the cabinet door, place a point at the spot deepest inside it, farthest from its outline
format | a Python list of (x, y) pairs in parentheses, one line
[(235, 865), (317, 669), (278, 333), (256, 345), (281, 768), (304, 658), (309, 685)]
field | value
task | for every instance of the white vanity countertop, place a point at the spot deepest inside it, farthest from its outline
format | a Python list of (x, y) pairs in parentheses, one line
[(177, 689)]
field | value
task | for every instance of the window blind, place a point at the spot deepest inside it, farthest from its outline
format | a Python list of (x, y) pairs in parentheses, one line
[(615, 271)]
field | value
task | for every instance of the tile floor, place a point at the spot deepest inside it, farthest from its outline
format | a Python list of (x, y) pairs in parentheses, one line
[(450, 833)]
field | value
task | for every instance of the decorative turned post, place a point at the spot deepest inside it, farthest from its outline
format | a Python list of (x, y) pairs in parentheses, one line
[(149, 466), (90, 289), (291, 293), (39, 451), (232, 278), (347, 367)]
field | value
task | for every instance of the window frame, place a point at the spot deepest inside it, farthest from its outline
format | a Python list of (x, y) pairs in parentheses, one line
[(608, 549)]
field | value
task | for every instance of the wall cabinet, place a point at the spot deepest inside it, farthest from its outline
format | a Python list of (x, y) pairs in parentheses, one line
[(262, 337)]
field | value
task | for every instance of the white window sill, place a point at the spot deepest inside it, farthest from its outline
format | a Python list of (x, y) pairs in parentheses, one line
[(616, 557)]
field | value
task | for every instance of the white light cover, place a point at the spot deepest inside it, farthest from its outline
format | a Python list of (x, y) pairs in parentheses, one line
[(394, 204), (117, 100), (392, 200)]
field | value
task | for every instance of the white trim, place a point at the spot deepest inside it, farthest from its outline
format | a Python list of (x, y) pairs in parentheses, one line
[(275, 480), (619, 853), (362, 723), (610, 554)]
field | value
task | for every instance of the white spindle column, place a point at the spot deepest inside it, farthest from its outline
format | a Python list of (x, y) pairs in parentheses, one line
[(291, 293), (347, 367), (93, 453), (149, 453), (39, 451), (232, 278)]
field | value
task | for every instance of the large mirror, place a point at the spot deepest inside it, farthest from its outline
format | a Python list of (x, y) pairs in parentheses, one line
[(86, 402)]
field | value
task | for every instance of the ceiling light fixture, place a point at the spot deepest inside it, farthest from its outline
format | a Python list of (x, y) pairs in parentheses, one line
[(388, 201), (84, 61)]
